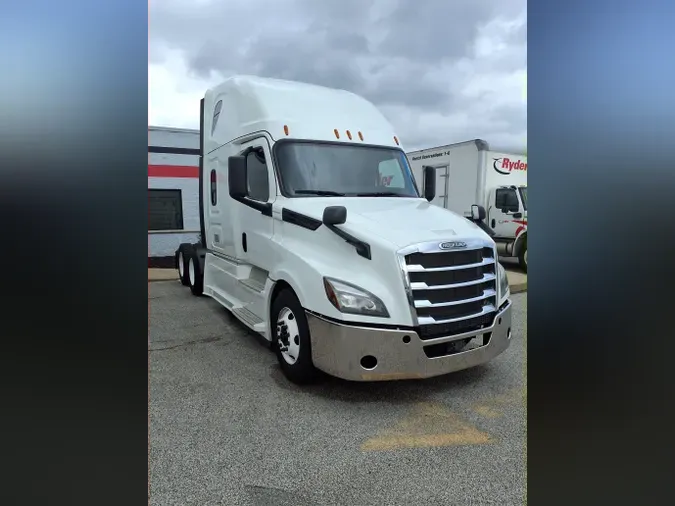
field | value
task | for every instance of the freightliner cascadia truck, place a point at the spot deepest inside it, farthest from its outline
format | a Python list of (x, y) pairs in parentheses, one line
[(469, 173), (316, 236)]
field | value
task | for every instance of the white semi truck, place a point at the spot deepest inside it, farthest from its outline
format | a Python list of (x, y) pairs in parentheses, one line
[(469, 173), (314, 234)]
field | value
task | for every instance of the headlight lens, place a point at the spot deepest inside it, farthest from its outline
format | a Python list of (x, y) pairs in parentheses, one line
[(504, 290), (351, 299)]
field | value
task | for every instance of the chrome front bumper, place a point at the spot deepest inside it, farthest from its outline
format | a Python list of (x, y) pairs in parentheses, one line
[(338, 350)]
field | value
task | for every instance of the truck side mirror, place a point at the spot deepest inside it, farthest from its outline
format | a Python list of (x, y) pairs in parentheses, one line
[(429, 183), (334, 215), (236, 176), (477, 213)]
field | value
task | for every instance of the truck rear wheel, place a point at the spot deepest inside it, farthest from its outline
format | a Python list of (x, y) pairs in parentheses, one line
[(195, 275), (291, 340), (522, 257), (182, 258)]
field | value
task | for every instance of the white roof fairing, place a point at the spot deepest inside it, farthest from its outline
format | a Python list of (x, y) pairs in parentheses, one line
[(251, 104)]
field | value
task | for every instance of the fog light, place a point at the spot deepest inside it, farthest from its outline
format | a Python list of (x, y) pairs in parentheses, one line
[(369, 362)]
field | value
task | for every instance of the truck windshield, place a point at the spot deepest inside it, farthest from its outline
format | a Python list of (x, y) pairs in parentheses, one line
[(309, 169), (523, 196)]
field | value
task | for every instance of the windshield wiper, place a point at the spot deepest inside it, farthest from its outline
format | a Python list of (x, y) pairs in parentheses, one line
[(327, 193), (380, 194)]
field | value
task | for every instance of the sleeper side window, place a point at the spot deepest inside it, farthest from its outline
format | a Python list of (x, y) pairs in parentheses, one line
[(214, 188), (256, 169)]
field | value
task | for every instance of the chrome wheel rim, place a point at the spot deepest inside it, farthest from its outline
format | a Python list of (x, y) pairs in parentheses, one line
[(288, 336), (181, 265), (191, 271)]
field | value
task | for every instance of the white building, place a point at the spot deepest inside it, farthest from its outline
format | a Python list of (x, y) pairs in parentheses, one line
[(173, 191)]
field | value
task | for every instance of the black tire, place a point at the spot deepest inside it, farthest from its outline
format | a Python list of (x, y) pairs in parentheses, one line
[(522, 256), (196, 284), (303, 370), (184, 251)]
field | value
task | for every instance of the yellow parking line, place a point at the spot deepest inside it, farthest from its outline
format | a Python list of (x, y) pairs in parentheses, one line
[(428, 426), (491, 408), (487, 411)]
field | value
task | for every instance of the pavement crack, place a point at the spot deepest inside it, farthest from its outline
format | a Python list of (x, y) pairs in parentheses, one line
[(212, 339)]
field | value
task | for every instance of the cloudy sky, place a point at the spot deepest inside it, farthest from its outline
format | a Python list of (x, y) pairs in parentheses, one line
[(441, 70)]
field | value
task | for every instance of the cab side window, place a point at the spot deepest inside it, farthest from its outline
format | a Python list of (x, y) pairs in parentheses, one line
[(506, 200), (256, 169)]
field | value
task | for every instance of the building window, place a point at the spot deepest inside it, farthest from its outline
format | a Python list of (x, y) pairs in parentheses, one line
[(165, 210)]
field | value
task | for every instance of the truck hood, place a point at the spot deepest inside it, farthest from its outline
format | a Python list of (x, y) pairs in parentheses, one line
[(400, 221)]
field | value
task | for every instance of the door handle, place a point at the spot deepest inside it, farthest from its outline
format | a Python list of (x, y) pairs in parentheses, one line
[(517, 215), (494, 222)]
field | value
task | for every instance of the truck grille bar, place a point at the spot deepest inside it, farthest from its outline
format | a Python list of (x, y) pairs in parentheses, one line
[(450, 292)]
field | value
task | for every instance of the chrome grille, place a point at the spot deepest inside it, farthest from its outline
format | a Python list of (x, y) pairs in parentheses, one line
[(450, 291)]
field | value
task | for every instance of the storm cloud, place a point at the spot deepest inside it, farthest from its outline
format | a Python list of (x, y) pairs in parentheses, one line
[(441, 70)]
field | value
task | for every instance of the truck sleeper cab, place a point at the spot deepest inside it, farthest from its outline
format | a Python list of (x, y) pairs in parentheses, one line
[(315, 236)]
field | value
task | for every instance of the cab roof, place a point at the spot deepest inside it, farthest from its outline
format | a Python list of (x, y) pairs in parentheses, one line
[(243, 105)]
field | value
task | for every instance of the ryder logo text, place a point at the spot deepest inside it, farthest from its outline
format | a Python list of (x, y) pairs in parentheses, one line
[(506, 165)]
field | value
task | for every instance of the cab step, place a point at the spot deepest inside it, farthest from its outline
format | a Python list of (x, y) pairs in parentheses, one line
[(254, 284), (249, 318), (255, 279)]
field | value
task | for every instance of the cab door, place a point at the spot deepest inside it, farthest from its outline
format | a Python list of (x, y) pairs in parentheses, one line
[(256, 224), (504, 213)]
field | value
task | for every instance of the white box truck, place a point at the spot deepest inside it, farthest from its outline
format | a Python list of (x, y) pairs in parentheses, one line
[(314, 234), (470, 173)]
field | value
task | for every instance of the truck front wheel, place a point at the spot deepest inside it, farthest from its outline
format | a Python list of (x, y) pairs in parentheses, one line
[(522, 257), (291, 340)]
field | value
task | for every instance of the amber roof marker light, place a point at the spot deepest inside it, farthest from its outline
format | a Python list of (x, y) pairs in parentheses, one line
[(286, 129), (360, 136), (337, 134), (396, 140)]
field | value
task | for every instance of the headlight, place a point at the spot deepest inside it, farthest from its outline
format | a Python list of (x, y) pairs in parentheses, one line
[(354, 300), (504, 290)]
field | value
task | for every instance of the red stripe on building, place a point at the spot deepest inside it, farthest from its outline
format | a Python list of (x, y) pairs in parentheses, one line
[(173, 171)]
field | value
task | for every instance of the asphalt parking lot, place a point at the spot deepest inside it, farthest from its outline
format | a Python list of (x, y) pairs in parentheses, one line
[(226, 428)]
